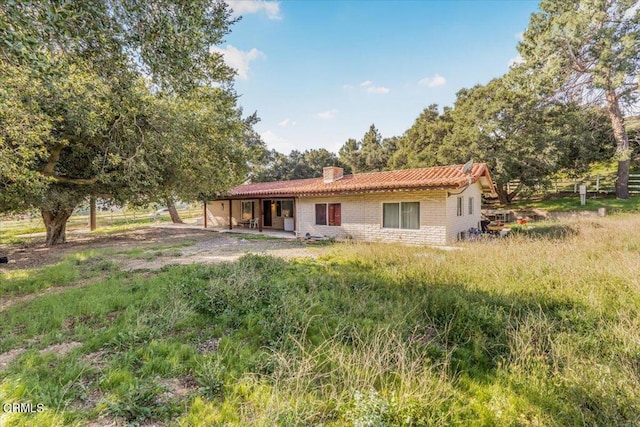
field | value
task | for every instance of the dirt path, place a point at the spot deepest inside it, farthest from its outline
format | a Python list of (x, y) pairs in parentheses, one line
[(160, 246), (209, 246), (219, 248), (201, 246)]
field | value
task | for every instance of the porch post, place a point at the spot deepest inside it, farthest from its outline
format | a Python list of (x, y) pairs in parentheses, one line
[(230, 214), (260, 215), (295, 215), (205, 213)]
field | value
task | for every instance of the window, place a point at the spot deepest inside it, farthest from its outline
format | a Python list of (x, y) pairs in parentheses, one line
[(287, 208), (410, 215), (247, 210), (321, 214), (278, 208), (391, 215), (470, 210), (405, 215), (330, 214), (460, 206), (335, 216)]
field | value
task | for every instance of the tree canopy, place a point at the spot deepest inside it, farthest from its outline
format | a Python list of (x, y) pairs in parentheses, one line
[(419, 145), (587, 51), (120, 98), (369, 154), (507, 124), (296, 165), (504, 124)]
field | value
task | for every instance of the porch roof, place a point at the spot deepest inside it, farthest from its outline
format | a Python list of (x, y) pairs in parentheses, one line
[(438, 177)]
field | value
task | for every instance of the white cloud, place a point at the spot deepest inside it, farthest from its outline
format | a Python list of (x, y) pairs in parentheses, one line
[(239, 59), (369, 87), (276, 142), (435, 81), (243, 7), (378, 90), (516, 60), (327, 115), (287, 122)]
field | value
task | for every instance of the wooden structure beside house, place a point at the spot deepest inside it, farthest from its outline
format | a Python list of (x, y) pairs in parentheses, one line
[(435, 205)]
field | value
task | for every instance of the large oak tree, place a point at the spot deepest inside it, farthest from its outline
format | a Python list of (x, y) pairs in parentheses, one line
[(118, 98), (589, 51)]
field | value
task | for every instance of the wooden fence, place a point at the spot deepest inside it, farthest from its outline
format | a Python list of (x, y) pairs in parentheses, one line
[(594, 183)]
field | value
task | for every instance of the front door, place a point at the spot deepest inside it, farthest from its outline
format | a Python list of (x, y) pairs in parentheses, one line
[(266, 210)]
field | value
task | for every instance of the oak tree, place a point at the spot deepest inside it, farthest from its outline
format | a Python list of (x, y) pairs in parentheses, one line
[(119, 98), (588, 51)]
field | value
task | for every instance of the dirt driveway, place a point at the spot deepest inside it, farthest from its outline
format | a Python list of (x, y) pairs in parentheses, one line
[(157, 246)]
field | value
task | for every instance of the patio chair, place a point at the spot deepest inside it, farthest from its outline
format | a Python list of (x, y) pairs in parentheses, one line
[(253, 223)]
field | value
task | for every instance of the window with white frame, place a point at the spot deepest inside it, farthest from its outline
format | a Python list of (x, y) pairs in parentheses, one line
[(287, 208), (404, 215), (470, 210), (247, 210), (460, 206)]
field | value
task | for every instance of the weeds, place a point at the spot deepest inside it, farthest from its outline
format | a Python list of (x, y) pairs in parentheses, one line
[(540, 328)]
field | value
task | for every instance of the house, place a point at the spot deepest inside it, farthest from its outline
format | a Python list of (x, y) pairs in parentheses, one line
[(435, 205)]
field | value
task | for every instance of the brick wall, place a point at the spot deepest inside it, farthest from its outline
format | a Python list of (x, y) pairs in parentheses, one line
[(362, 217)]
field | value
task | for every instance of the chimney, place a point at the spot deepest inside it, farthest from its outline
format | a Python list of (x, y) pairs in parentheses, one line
[(332, 173)]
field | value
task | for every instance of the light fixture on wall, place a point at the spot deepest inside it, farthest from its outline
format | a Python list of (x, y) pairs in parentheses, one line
[(222, 205)]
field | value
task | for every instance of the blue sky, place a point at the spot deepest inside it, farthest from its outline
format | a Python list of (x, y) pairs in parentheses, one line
[(320, 72)]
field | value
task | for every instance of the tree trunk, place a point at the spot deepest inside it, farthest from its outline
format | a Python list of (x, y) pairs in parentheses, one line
[(503, 195), (623, 153), (92, 213), (175, 218), (56, 223)]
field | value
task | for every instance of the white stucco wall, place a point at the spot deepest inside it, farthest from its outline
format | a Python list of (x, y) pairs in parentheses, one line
[(362, 217), (218, 213), (457, 224)]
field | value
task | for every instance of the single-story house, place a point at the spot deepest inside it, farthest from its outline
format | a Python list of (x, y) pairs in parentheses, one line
[(435, 205)]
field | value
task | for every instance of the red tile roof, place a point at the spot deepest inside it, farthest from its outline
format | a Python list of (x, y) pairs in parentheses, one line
[(439, 177)]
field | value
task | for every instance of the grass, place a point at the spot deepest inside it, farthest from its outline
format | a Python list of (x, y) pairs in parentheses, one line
[(12, 231), (565, 203), (540, 328)]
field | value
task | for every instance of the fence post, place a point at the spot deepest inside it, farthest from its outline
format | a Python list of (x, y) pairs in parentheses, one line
[(598, 183), (555, 184), (575, 185), (92, 213)]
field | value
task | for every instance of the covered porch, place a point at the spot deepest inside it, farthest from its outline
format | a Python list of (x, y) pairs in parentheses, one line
[(255, 214)]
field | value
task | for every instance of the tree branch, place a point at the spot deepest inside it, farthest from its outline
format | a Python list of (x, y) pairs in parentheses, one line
[(67, 180), (53, 159), (577, 63)]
